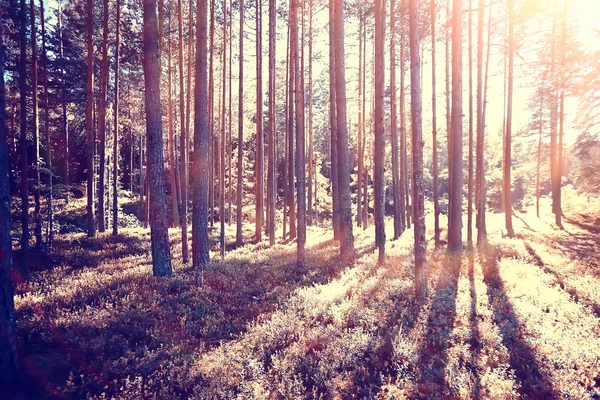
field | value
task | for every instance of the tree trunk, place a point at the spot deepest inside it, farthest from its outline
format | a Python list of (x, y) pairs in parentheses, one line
[(553, 122), (260, 146), (36, 139), (91, 137), (211, 118), (455, 195), (290, 134), (161, 253), (115, 229), (447, 82), (65, 121), (102, 120), (539, 157), (379, 156), (300, 149), (561, 119), (470, 178), (311, 160), (404, 188), (398, 199), (223, 138), (359, 174), (240, 164), (508, 136), (49, 230), (480, 168), (286, 185), (172, 164), (183, 138), (9, 363), (229, 119), (436, 201), (333, 125), (417, 140), (365, 176), (272, 176), (343, 158)]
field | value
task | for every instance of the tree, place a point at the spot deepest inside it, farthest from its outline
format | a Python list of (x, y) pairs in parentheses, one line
[(379, 155), (300, 149), (102, 119), (561, 120), (404, 190), (343, 158), (260, 146), (455, 155), (398, 199), (417, 140), (171, 144), (507, 164), (49, 230), (9, 364), (91, 137), (63, 82), (480, 168), (161, 254), (436, 202), (240, 164), (311, 160), (359, 139), (201, 166), (223, 137), (115, 228), (470, 179), (333, 128), (37, 214), (271, 181)]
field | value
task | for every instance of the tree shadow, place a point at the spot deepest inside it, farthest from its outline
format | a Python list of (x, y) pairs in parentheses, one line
[(574, 293), (438, 335), (532, 380)]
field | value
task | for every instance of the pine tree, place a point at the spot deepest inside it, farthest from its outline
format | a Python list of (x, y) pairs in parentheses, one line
[(91, 137), (379, 155)]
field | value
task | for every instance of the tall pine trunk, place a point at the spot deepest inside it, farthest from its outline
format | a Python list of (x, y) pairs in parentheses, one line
[(49, 205), (311, 160), (359, 174), (161, 253), (272, 176), (223, 137), (183, 138), (115, 227), (333, 124), (91, 137), (417, 140), (102, 121), (470, 155), (507, 165), (404, 189), (240, 164), (172, 164), (260, 146), (398, 199), (436, 201), (63, 82), (379, 155), (37, 213)]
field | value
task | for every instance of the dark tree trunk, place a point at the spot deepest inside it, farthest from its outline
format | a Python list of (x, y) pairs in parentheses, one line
[(91, 137), (65, 121), (49, 230), (398, 199), (436, 201), (455, 192), (333, 124), (271, 181), (115, 227), (379, 156), (102, 121), (343, 158), (260, 146), (417, 140), (183, 138), (161, 253), (240, 144), (9, 364)]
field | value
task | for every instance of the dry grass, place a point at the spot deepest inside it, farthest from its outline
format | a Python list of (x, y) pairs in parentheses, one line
[(518, 319)]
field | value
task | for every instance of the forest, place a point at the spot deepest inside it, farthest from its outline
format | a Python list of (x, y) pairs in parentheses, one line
[(328, 199)]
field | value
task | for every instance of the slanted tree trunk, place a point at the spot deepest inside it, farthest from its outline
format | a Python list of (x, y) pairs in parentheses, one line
[(398, 199), (455, 192), (91, 137), (37, 214), (379, 155), (272, 177), (260, 146), (161, 253), (436, 201), (102, 121), (9, 363), (343, 158), (115, 228), (240, 144), (333, 125), (417, 140), (49, 230), (507, 165)]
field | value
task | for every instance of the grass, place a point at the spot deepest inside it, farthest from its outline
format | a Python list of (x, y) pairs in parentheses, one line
[(517, 319)]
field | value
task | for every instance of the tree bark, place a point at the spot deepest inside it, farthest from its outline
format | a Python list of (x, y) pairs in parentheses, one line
[(290, 134), (9, 363), (240, 165), (333, 124), (379, 156), (49, 230), (436, 201), (223, 137), (37, 214), (115, 228), (272, 176), (172, 163), (311, 160), (91, 137), (398, 199), (480, 168), (507, 165), (161, 253), (455, 195), (417, 140), (404, 189), (343, 158), (260, 145), (102, 121), (470, 178), (359, 174), (183, 138), (65, 121)]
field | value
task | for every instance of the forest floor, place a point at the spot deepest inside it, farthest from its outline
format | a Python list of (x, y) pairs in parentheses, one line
[(519, 318)]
